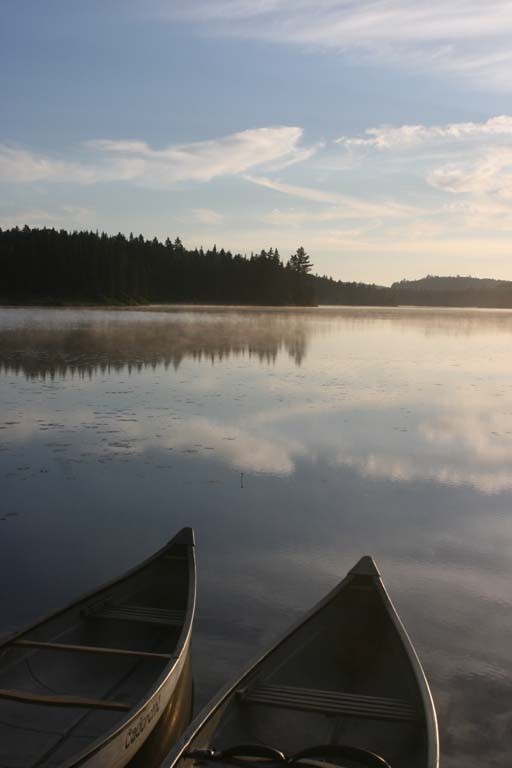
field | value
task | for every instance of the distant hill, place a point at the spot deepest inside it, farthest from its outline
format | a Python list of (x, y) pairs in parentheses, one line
[(458, 283)]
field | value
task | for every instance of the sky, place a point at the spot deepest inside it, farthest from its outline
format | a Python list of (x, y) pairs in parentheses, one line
[(375, 133)]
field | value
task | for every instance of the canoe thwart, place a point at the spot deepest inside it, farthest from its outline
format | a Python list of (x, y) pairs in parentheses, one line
[(330, 702), (91, 649), (63, 701)]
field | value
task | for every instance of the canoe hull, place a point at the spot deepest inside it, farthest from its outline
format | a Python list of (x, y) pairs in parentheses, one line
[(345, 674)]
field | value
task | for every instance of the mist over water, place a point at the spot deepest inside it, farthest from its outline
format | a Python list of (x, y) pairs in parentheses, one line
[(294, 441)]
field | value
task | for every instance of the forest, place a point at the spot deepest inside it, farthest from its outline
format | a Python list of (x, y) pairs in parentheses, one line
[(55, 267)]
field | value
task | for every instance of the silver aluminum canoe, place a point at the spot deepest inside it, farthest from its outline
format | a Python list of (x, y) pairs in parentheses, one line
[(346, 676), (87, 685)]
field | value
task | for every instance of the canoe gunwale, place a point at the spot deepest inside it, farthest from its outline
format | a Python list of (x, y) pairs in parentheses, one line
[(423, 686), (369, 573)]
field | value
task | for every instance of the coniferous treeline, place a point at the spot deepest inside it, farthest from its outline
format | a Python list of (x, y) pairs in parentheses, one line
[(48, 266), (56, 267)]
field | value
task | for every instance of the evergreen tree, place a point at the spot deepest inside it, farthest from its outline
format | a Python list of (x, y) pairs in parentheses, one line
[(300, 262)]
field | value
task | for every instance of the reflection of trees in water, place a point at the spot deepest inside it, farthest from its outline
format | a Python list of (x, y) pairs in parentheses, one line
[(133, 346), (59, 342)]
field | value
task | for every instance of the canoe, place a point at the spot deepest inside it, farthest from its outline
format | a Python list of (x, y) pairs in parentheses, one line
[(87, 685), (343, 687)]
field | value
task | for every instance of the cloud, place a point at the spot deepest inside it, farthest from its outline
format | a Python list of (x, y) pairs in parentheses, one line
[(204, 160), (491, 174), (348, 207), (139, 163), (300, 155), (405, 136), (22, 165), (473, 160), (467, 38)]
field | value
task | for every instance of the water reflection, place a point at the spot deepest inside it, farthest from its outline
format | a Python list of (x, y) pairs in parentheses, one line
[(294, 442), (57, 343), (41, 343)]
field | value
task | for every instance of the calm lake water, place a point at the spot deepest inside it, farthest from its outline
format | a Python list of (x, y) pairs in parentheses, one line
[(294, 441)]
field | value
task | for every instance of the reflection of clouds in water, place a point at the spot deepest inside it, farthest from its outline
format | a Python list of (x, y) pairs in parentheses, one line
[(406, 469), (464, 615), (464, 442), (476, 429), (468, 445), (237, 447)]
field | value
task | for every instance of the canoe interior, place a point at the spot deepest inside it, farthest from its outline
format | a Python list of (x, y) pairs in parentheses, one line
[(352, 647), (132, 614)]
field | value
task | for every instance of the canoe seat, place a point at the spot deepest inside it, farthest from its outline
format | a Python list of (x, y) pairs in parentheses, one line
[(140, 613), (329, 702)]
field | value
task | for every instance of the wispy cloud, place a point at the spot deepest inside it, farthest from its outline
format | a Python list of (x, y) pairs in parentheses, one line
[(407, 136), (21, 165), (489, 174), (467, 37), (205, 160), (472, 160), (136, 161), (351, 207)]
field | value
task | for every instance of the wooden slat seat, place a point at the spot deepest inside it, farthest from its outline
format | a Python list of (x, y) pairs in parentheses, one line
[(140, 613), (330, 702), (91, 649), (56, 700)]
